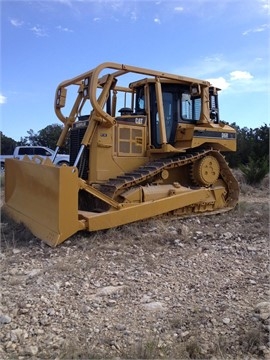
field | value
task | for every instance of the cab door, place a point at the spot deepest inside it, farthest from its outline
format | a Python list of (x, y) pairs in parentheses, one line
[(170, 95)]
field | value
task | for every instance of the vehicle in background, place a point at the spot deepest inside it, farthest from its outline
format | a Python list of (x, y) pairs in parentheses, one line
[(39, 151)]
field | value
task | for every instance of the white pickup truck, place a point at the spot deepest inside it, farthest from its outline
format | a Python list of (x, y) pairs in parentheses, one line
[(41, 151)]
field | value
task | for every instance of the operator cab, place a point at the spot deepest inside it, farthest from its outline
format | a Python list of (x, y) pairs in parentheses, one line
[(162, 109), (182, 103)]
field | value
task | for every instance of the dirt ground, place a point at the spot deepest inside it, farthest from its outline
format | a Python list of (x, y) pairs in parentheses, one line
[(164, 288)]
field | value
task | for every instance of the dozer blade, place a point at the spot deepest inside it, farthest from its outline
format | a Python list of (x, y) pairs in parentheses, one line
[(44, 198)]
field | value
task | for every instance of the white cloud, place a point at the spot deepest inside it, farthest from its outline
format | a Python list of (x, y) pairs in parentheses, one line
[(97, 19), (219, 82), (257, 29), (65, 2), (157, 20), (16, 22), (265, 4), (38, 31), (224, 84), (179, 9), (211, 66), (240, 75), (133, 16), (115, 5), (64, 29), (3, 99), (213, 58)]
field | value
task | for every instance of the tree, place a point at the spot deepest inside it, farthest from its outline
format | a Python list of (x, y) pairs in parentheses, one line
[(7, 145), (49, 137), (31, 139), (45, 137), (261, 142), (252, 147)]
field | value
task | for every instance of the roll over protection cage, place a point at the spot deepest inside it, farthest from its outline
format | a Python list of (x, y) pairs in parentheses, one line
[(90, 81)]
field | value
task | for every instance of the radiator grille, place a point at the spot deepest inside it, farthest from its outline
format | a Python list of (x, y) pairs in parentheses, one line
[(76, 136)]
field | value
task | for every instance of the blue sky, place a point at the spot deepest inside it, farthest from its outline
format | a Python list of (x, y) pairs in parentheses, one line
[(46, 42)]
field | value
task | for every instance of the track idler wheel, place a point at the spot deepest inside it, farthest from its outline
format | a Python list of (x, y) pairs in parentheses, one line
[(205, 171)]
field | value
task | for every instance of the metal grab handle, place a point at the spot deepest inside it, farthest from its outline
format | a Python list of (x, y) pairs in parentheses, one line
[(55, 153), (79, 155)]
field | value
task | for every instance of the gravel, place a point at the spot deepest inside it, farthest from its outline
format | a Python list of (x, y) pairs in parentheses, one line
[(171, 288)]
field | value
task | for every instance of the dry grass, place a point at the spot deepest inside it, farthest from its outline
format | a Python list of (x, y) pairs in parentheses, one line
[(14, 234), (72, 351), (147, 349), (253, 339), (148, 234), (191, 348)]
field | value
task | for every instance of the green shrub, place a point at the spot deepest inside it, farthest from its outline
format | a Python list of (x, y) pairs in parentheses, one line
[(255, 170)]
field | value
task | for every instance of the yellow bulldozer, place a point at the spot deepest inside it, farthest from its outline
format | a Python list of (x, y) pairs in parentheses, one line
[(142, 143)]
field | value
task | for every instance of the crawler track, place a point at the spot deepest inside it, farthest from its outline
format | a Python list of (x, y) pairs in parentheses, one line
[(150, 171)]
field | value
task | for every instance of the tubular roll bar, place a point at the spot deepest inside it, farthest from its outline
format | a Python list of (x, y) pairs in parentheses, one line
[(122, 69), (95, 81)]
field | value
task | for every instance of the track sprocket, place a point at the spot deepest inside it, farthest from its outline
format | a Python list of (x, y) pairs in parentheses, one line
[(205, 171)]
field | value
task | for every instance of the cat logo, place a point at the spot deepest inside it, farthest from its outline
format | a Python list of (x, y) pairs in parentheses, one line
[(139, 120)]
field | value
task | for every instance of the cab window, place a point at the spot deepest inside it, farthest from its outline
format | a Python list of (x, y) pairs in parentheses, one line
[(190, 107), (140, 101)]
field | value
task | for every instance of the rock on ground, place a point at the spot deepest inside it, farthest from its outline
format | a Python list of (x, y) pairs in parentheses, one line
[(163, 288)]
